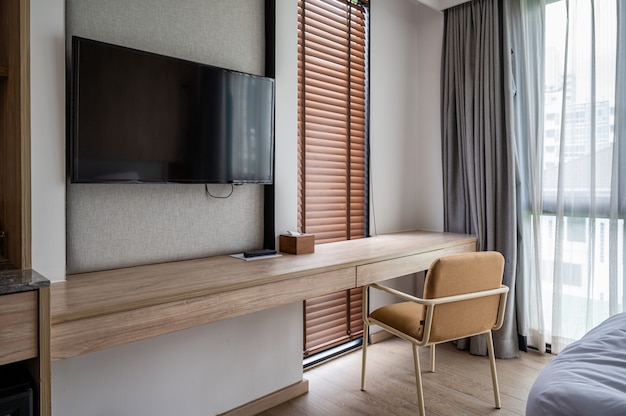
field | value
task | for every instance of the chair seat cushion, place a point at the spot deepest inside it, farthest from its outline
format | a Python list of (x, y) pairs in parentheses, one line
[(406, 317)]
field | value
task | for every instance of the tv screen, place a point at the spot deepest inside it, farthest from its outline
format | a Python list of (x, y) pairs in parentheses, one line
[(143, 117)]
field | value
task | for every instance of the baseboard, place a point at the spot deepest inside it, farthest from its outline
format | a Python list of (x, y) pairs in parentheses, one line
[(273, 399), (380, 336)]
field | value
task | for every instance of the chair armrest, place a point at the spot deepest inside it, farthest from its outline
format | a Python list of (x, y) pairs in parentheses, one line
[(502, 289)]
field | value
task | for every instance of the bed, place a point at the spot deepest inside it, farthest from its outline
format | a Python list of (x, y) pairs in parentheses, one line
[(587, 378)]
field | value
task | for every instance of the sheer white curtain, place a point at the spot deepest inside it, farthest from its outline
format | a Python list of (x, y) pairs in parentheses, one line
[(524, 35), (574, 239)]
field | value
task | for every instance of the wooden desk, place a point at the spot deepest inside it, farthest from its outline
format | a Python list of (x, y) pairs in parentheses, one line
[(98, 310)]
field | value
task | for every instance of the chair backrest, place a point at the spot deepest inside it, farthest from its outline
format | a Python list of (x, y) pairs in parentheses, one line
[(459, 274)]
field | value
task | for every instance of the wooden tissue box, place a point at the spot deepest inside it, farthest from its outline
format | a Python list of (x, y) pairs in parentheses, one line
[(297, 244)]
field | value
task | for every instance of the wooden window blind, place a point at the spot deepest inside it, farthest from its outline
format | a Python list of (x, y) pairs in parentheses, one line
[(332, 148)]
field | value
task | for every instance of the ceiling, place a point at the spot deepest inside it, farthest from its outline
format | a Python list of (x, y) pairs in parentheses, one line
[(440, 4)]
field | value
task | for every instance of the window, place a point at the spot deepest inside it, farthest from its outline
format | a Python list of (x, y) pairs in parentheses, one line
[(572, 274), (602, 242), (576, 229), (332, 148)]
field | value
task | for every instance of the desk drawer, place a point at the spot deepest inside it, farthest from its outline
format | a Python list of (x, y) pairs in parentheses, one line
[(401, 266), (18, 332), (468, 247)]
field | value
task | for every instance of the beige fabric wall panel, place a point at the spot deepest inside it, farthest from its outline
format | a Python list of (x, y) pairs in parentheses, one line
[(111, 226)]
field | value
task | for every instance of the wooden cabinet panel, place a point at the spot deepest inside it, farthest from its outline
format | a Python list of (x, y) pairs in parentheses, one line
[(15, 200), (19, 331)]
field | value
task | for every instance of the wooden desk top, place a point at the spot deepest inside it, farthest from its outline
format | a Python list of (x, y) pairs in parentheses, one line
[(89, 297)]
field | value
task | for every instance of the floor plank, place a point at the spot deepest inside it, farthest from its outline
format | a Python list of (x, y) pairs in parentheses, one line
[(461, 384)]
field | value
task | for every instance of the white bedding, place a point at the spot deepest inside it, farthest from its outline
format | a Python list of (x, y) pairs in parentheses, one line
[(587, 378)]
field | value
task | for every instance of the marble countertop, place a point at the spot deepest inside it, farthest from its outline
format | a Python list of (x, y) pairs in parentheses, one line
[(20, 280)]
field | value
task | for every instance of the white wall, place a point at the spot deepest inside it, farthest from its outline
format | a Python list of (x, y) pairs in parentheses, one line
[(429, 187), (404, 126), (197, 372), (47, 81), (211, 369), (286, 130)]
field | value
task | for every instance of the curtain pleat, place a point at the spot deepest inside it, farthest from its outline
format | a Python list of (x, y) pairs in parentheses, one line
[(618, 174), (525, 70)]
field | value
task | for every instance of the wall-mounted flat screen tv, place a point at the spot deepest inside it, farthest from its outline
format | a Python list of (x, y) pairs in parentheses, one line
[(142, 117)]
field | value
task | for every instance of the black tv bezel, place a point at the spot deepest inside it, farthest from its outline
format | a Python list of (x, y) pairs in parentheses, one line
[(73, 120)]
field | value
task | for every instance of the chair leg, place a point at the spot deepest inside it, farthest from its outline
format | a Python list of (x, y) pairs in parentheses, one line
[(432, 358), (494, 375), (418, 380), (366, 331)]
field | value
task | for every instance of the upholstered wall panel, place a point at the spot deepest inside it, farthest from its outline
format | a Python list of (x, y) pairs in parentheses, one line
[(111, 226)]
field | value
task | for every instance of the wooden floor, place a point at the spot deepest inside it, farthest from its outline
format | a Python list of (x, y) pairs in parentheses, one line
[(461, 384)]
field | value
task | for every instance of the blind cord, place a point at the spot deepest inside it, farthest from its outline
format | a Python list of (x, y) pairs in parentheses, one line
[(372, 224)]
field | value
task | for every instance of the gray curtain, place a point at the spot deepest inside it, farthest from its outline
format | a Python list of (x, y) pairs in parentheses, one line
[(482, 191)]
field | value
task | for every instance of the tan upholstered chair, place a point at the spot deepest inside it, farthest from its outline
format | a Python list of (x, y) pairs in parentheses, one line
[(463, 296)]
